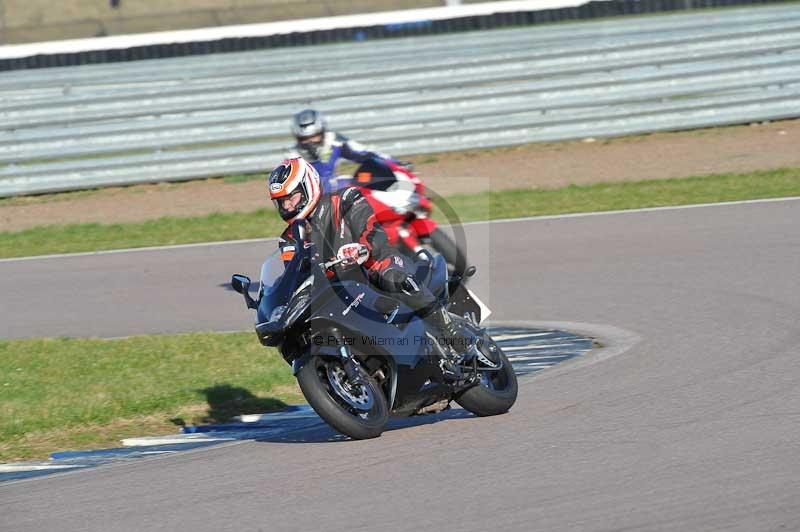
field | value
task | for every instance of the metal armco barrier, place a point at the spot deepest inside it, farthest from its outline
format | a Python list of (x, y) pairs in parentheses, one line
[(183, 118)]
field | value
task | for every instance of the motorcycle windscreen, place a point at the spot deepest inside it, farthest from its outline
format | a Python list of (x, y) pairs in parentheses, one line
[(277, 285), (273, 292), (271, 271)]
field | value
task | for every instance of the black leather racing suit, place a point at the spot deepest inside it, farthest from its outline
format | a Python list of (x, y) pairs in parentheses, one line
[(345, 217)]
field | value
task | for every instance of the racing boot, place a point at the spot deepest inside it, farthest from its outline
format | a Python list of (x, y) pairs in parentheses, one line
[(456, 340)]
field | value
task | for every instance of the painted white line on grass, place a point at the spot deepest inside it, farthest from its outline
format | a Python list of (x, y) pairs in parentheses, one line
[(171, 440), (503, 221), (22, 468), (255, 419), (159, 452)]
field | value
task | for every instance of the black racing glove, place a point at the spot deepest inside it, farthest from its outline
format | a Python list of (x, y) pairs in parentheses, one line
[(396, 280)]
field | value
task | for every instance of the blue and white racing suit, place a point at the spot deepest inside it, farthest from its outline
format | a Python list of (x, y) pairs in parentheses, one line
[(335, 147)]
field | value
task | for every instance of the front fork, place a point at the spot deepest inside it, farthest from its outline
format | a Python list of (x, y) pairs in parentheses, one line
[(340, 350), (351, 366)]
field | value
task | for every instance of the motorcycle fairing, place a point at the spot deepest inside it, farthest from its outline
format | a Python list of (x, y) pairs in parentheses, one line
[(408, 347), (423, 226)]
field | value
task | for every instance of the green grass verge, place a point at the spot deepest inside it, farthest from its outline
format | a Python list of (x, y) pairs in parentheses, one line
[(65, 393), (161, 232), (495, 205), (628, 195)]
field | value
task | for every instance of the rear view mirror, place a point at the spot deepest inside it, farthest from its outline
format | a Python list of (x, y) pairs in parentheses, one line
[(241, 283)]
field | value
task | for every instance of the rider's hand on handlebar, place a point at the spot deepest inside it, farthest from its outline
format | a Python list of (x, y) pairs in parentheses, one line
[(350, 255)]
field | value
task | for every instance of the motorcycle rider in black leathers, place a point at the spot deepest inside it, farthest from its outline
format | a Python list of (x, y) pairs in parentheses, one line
[(345, 217)]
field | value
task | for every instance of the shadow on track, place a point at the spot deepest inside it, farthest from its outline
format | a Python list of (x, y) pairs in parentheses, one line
[(322, 433)]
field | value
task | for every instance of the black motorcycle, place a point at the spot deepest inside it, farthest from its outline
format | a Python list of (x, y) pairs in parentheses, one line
[(360, 355)]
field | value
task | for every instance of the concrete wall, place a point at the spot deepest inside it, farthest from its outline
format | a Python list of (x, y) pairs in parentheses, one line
[(44, 20)]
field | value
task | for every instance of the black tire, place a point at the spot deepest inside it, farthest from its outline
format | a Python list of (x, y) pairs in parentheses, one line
[(453, 255), (488, 400), (331, 407)]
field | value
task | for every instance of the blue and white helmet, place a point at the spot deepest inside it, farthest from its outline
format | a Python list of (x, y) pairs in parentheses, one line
[(306, 125)]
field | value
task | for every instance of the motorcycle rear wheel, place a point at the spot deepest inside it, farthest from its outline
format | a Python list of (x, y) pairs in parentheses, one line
[(359, 411), (496, 393), (453, 255)]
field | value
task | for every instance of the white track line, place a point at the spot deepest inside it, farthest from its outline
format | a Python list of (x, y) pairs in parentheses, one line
[(513, 348), (634, 211), (519, 336), (524, 358), (504, 221), (132, 250), (547, 346), (22, 468), (147, 441), (520, 350)]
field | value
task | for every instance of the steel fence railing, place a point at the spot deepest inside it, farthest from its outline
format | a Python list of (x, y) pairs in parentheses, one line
[(173, 119)]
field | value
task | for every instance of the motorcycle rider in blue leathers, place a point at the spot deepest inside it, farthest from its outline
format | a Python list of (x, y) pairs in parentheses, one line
[(324, 149)]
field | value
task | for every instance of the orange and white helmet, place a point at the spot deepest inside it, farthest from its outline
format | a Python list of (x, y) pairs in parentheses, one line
[(294, 176)]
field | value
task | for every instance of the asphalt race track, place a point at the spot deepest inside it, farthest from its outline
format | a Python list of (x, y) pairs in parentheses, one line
[(692, 424)]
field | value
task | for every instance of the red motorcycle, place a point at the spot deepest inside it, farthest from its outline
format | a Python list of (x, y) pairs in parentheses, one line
[(398, 198)]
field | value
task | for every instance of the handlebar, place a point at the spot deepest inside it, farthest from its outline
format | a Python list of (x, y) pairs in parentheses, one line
[(348, 254), (330, 264)]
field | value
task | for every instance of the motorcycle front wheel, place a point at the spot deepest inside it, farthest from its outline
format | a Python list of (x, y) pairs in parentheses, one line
[(356, 410), (497, 391)]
